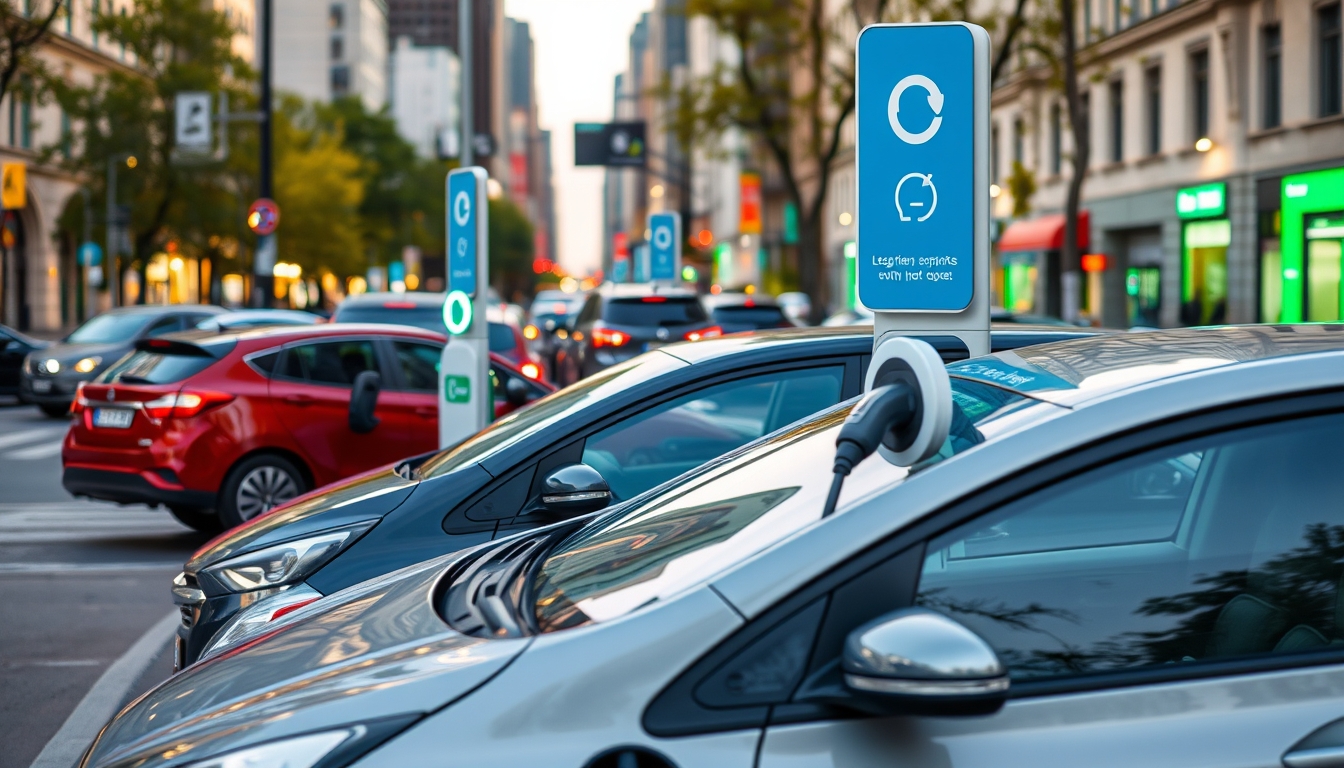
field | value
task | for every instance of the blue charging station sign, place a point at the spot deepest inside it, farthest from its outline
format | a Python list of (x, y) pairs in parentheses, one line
[(466, 193), (917, 158), (664, 246)]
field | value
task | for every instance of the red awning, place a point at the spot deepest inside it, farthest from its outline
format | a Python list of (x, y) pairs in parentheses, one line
[(1044, 233)]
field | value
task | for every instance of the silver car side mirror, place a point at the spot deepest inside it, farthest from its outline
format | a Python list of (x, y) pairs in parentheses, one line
[(919, 662)]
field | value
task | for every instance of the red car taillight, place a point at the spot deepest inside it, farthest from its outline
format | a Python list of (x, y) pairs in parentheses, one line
[(607, 337), (530, 370), (77, 407), (184, 405), (704, 333)]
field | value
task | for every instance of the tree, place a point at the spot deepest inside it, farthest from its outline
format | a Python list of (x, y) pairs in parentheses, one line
[(22, 31), (1079, 121), (511, 249)]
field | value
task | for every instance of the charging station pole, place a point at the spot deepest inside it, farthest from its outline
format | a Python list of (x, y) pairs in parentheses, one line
[(923, 182), (466, 397), (665, 247)]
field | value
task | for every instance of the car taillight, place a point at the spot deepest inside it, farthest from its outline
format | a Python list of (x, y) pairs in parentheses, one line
[(531, 332), (607, 337), (184, 405), (530, 370), (704, 333), (80, 403)]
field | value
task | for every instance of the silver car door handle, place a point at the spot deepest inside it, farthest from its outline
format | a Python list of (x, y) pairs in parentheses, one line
[(1321, 757)]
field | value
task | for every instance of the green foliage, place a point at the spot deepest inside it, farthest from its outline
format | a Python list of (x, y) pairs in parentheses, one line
[(511, 249), (320, 188), (1021, 185)]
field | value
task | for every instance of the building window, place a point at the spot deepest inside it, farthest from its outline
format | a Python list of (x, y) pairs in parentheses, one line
[(340, 80), (1152, 86), (336, 16), (1117, 15), (994, 154), (1056, 138), (1117, 121), (1085, 118), (337, 47), (1087, 21), (1019, 137), (1328, 67), (66, 134), (1271, 74), (69, 18), (1199, 91), (93, 17)]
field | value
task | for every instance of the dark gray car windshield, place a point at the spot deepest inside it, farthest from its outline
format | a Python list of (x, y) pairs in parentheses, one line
[(110, 328), (654, 310), (549, 410), (650, 551)]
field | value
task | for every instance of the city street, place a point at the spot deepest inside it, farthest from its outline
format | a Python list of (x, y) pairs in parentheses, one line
[(81, 584)]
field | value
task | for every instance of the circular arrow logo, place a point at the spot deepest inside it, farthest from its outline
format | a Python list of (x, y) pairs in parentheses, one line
[(462, 209), (926, 180), (935, 103), (662, 238)]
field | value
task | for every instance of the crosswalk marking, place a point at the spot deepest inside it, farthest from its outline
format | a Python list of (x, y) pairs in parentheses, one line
[(82, 521), (40, 451), (31, 435)]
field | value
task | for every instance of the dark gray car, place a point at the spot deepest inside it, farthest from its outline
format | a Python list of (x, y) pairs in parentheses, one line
[(51, 375)]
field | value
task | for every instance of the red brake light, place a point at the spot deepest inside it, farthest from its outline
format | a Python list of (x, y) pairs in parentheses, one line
[(704, 333), (184, 405), (530, 370), (159, 343), (399, 305), (606, 337), (80, 403), (654, 299)]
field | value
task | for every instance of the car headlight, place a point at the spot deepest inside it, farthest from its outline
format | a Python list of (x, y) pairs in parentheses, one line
[(86, 365), (283, 563), (259, 618), (51, 365), (330, 749)]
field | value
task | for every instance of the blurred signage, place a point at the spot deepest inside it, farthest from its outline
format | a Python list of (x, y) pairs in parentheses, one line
[(193, 119), (616, 144), (620, 247), (483, 144), (749, 223), (664, 246), (620, 270), (790, 223), (13, 185), (263, 216), (90, 254), (1203, 201), (466, 193), (641, 263)]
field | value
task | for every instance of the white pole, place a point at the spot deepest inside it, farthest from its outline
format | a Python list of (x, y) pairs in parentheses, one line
[(468, 126)]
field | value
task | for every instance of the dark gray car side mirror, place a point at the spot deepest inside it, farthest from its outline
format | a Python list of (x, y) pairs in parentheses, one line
[(574, 489), (517, 391), (919, 662), (363, 401)]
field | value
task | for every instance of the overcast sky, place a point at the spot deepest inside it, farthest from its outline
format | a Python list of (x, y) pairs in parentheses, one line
[(581, 45)]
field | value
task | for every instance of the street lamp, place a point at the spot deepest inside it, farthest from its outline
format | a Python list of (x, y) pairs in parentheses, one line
[(113, 269)]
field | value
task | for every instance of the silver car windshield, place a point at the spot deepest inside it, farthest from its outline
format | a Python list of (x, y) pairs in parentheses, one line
[(681, 537)]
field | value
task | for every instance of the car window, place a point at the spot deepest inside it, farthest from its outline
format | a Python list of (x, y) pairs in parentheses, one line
[(1228, 546), (757, 317), (654, 310), (671, 438), (145, 367), (501, 338), (109, 328), (330, 362), (428, 317), (419, 365), (590, 309), (163, 325)]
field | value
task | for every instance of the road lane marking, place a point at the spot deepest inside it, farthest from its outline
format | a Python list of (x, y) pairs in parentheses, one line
[(30, 435), (105, 697), (56, 663), (40, 568), (43, 451)]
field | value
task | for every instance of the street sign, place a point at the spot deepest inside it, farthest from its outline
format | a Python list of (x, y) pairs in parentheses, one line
[(193, 120), (263, 216), (466, 195), (923, 186), (749, 198), (90, 254), (664, 246), (620, 270), (641, 263), (617, 144), (13, 186)]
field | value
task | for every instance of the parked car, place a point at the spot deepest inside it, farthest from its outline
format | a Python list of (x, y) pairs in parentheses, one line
[(627, 428), (737, 312), (222, 426), (14, 348), (620, 321), (1127, 553), (255, 318), (797, 305), (425, 310), (51, 376), (507, 340)]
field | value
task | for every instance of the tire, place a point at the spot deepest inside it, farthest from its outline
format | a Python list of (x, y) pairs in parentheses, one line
[(256, 485), (203, 520), (55, 411)]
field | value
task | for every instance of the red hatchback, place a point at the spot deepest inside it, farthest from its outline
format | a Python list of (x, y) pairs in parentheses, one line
[(222, 427)]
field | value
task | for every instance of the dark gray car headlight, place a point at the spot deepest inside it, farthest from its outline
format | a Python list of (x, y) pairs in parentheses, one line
[(281, 564), (325, 749)]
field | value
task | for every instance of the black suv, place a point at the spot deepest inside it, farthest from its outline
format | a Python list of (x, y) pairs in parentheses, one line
[(620, 321)]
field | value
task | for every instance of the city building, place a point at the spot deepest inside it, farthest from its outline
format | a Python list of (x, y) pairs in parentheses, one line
[(326, 49), (426, 96)]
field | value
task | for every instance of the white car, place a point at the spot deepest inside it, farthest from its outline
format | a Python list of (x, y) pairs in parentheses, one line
[(1127, 552)]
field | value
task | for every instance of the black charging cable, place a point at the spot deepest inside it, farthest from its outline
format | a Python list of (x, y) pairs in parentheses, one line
[(880, 411)]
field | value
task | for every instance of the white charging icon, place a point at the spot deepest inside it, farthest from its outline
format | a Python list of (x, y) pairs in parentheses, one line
[(926, 181)]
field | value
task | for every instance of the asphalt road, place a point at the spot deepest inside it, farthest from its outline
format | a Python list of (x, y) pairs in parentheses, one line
[(81, 586)]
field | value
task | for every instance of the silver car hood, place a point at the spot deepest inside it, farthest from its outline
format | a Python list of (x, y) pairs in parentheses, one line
[(375, 650)]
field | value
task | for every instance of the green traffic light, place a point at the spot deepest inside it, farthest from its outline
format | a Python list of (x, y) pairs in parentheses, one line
[(689, 274)]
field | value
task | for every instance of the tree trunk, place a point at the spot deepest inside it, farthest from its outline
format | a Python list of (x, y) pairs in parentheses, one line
[(1068, 278), (812, 277)]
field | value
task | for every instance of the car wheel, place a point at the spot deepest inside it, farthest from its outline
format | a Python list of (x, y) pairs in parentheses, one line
[(55, 411), (203, 520), (257, 485)]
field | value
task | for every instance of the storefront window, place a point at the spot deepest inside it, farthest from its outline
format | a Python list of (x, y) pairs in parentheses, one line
[(1143, 291), (1271, 269), (1019, 282), (1204, 284), (1325, 234)]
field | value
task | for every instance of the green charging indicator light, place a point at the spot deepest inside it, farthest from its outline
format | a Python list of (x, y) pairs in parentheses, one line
[(457, 312)]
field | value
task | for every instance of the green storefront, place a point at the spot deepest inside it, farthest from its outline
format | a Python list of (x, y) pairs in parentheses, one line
[(1206, 233), (1312, 227)]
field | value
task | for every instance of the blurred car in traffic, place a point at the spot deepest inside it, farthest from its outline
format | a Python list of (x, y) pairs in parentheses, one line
[(14, 348), (1124, 540), (51, 376), (615, 434), (797, 305), (222, 426), (254, 318), (549, 319), (621, 321), (737, 312), (425, 310)]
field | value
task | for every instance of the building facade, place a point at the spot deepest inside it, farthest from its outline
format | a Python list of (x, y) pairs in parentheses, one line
[(426, 95), (327, 49)]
